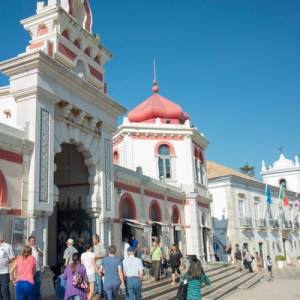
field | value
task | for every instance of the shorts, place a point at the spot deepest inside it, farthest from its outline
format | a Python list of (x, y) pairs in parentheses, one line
[(111, 291), (229, 251), (92, 278), (173, 269), (238, 264), (270, 268)]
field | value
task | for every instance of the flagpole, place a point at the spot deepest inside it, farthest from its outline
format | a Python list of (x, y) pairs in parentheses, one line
[(266, 197)]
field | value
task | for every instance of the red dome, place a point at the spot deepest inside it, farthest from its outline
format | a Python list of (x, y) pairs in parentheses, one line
[(158, 107)]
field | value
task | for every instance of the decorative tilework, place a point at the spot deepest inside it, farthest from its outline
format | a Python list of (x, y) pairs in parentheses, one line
[(107, 175), (44, 156)]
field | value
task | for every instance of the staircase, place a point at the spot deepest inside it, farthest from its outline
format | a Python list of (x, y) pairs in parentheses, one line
[(223, 280)]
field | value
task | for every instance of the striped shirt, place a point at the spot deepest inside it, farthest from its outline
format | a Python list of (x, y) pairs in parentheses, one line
[(132, 266), (194, 286)]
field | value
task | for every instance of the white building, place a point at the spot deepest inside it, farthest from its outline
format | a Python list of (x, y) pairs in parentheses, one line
[(59, 141), (241, 212)]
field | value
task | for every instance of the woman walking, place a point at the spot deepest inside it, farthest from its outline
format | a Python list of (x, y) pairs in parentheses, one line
[(269, 263), (76, 268), (175, 261), (195, 276), (26, 265), (247, 260), (258, 261), (88, 259)]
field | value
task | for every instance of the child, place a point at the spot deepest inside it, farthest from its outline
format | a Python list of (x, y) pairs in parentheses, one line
[(60, 284), (269, 263)]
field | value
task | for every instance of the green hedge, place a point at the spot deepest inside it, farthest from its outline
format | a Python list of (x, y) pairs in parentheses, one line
[(280, 258), (298, 257)]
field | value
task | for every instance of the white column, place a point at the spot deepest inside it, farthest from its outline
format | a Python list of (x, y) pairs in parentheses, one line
[(102, 237), (109, 233), (45, 239), (32, 230)]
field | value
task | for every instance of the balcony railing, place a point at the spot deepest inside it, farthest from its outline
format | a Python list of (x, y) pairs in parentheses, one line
[(296, 225), (273, 223), (245, 222), (261, 223), (285, 224)]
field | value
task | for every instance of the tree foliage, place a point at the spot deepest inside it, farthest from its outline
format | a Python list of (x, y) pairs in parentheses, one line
[(246, 169)]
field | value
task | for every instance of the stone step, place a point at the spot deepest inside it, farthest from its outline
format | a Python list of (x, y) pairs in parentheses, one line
[(251, 282)]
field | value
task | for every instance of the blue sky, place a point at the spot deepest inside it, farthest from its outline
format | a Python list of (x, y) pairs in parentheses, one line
[(232, 65)]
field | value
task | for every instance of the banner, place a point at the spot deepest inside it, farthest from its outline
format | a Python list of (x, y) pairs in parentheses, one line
[(17, 236)]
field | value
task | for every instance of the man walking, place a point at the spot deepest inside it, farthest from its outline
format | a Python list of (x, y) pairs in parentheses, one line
[(156, 259), (125, 247), (80, 247), (228, 248), (238, 258), (133, 273), (6, 257), (100, 253), (69, 252), (134, 243), (36, 253), (112, 266)]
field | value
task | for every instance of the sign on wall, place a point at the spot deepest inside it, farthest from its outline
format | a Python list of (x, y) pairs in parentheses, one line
[(215, 239), (119, 191), (17, 236), (216, 246)]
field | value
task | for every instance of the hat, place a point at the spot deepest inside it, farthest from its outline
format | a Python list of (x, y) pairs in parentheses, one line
[(130, 249), (80, 240), (70, 241)]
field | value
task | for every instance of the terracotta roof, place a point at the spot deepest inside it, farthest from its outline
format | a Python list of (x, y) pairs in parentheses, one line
[(215, 170)]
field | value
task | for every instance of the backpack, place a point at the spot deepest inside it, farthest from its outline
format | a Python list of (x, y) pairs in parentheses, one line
[(238, 255)]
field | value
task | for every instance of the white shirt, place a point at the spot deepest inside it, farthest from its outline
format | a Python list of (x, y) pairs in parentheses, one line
[(35, 254), (6, 253), (125, 248), (87, 259)]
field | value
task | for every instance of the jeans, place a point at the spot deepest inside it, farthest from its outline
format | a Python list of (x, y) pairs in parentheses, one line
[(155, 268), (248, 266), (111, 291), (99, 284), (4, 286), (75, 297), (133, 288), (37, 285), (25, 288)]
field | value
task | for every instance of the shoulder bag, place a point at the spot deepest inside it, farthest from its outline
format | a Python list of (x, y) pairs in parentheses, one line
[(79, 280), (182, 291)]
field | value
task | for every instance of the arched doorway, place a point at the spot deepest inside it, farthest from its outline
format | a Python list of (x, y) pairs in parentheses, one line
[(205, 232), (156, 219), (126, 229), (176, 222)]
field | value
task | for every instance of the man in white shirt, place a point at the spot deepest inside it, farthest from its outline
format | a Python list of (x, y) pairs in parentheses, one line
[(36, 253), (125, 247), (6, 257)]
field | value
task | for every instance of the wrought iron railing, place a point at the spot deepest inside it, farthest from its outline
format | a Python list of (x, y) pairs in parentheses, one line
[(261, 223), (296, 225), (245, 222), (273, 223), (286, 224)]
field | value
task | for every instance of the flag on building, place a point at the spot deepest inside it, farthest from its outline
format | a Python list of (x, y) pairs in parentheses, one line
[(296, 201), (283, 197), (268, 194)]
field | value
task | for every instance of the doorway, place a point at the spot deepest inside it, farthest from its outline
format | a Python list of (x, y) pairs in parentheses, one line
[(175, 235), (284, 247), (261, 253), (205, 244)]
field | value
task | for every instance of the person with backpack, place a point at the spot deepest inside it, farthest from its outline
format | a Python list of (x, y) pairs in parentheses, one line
[(248, 260), (269, 264), (238, 258)]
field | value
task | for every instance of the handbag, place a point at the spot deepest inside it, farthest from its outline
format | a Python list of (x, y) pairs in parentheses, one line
[(79, 280), (182, 292), (181, 268)]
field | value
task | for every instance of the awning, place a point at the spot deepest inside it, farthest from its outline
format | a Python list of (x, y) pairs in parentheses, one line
[(164, 227), (137, 225), (177, 227)]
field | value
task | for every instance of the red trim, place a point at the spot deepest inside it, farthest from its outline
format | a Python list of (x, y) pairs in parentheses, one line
[(72, 10), (172, 149), (44, 31), (116, 151), (154, 195), (88, 16), (127, 187), (187, 226), (36, 45), (76, 43), (202, 204), (15, 212), (186, 202), (152, 137), (198, 145), (65, 34), (157, 208), (96, 73), (3, 191), (117, 142), (117, 221), (105, 88), (11, 156), (50, 49), (94, 85), (131, 203), (175, 208), (96, 59), (174, 200), (66, 51), (201, 157), (62, 64), (87, 52)]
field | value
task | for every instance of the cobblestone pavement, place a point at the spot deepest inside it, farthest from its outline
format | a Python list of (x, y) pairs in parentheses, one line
[(285, 285)]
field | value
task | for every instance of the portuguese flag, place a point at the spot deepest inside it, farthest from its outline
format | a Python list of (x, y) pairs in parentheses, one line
[(283, 197)]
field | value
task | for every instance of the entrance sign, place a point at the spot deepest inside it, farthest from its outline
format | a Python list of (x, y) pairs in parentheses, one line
[(177, 227), (119, 191), (216, 246), (17, 236), (215, 239)]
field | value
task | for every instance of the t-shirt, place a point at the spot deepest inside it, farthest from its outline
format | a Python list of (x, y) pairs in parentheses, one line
[(248, 258), (6, 253), (26, 271), (156, 254), (125, 248), (61, 286), (99, 250), (269, 262), (87, 259), (69, 253), (35, 254), (146, 256), (134, 243), (228, 243), (175, 258), (111, 274), (81, 250), (238, 254)]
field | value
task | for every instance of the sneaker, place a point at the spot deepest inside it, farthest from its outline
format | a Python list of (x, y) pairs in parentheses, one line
[(172, 283)]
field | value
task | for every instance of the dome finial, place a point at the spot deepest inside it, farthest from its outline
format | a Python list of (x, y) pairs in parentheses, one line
[(155, 89)]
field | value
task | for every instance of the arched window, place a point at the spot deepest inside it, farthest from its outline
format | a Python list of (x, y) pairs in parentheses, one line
[(116, 157), (125, 209), (79, 12), (175, 217), (203, 219), (282, 183), (154, 214), (164, 162)]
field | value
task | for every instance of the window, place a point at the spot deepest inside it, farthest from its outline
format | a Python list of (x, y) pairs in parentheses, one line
[(274, 247), (256, 210), (125, 209), (164, 162), (196, 170), (245, 246), (295, 245), (269, 212), (241, 208), (291, 214), (282, 183)]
